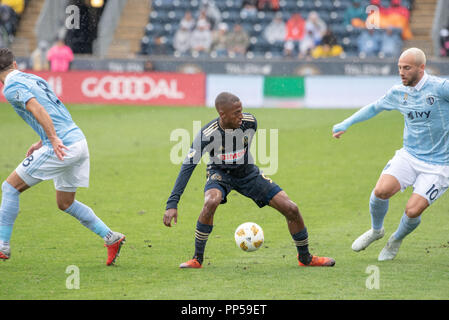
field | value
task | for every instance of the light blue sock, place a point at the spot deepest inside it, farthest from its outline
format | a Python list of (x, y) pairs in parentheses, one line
[(87, 217), (406, 226), (8, 211), (378, 209)]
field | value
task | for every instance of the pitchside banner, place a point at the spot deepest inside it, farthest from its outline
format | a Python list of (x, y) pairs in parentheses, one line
[(171, 89)]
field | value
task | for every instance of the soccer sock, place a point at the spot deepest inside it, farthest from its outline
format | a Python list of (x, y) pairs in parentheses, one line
[(301, 240), (378, 209), (201, 235), (87, 218), (406, 226), (8, 212)]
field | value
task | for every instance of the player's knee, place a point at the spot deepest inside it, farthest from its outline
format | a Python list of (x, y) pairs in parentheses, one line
[(413, 211), (382, 193), (291, 211), (212, 201), (64, 205)]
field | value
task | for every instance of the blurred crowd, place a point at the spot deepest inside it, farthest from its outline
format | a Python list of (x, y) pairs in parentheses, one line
[(444, 41), (10, 13), (380, 32)]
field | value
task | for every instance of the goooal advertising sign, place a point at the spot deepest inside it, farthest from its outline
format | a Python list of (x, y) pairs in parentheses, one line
[(127, 88)]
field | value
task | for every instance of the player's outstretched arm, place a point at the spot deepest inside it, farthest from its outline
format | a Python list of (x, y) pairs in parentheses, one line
[(45, 121), (363, 114)]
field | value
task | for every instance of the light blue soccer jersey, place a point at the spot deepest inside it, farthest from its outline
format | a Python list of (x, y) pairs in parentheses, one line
[(20, 87), (425, 108)]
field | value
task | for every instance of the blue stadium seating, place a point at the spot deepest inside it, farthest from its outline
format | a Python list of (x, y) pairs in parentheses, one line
[(166, 15)]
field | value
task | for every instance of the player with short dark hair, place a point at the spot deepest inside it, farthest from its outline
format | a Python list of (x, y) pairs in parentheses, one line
[(227, 139), (61, 155)]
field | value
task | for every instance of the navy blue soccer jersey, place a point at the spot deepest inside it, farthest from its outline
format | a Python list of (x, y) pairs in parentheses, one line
[(228, 149)]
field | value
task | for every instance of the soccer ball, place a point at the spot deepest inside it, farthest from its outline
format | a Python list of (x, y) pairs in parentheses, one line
[(249, 236)]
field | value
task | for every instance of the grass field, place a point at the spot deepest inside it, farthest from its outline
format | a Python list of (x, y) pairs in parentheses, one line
[(132, 176)]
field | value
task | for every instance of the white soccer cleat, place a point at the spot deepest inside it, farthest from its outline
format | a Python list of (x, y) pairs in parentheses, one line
[(390, 250), (362, 242)]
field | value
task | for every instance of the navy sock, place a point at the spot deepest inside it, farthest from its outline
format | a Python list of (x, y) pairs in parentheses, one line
[(201, 235), (301, 240)]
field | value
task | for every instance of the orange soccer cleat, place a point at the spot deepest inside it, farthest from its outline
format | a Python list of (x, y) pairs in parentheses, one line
[(193, 263), (114, 248), (318, 262)]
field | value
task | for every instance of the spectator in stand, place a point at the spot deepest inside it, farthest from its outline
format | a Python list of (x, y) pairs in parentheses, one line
[(201, 39), (211, 13), (220, 40), (444, 42), (397, 7), (275, 32), (252, 3), (238, 41), (390, 17), (268, 5), (390, 44), (316, 26), (60, 56), (398, 17), (17, 5), (329, 47), (308, 43), (248, 10), (202, 17), (8, 19), (188, 21), (181, 40), (38, 57), (355, 14), (160, 47), (148, 66), (368, 43), (295, 28)]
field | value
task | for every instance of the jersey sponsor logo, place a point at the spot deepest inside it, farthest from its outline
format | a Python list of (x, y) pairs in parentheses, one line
[(231, 156), (417, 114)]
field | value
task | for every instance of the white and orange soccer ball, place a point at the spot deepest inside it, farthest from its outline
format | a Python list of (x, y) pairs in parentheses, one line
[(249, 236)]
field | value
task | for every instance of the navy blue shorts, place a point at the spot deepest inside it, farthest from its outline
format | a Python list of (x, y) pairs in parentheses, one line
[(250, 183)]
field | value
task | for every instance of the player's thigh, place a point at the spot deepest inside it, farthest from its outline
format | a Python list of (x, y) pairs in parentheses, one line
[(284, 204), (17, 182), (217, 180), (430, 186), (416, 205), (387, 186), (258, 187), (397, 175)]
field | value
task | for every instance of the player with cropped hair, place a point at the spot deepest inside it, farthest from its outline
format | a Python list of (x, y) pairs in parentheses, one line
[(227, 139), (422, 162), (61, 155)]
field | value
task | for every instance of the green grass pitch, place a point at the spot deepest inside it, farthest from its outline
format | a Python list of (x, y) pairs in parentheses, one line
[(132, 176)]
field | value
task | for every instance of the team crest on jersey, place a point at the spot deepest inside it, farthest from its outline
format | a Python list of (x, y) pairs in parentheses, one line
[(405, 98), (216, 176), (430, 100)]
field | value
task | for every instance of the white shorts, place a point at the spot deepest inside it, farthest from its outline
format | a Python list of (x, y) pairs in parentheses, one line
[(428, 180), (67, 175)]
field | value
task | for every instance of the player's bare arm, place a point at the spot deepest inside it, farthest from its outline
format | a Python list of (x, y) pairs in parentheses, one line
[(45, 121)]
